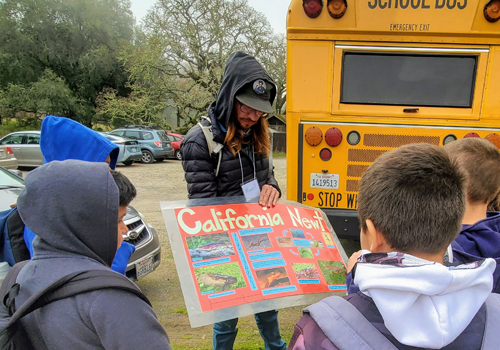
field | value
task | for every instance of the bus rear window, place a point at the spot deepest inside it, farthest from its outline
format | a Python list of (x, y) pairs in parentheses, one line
[(408, 79)]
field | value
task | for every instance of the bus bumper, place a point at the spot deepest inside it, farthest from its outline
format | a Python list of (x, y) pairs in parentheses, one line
[(345, 222)]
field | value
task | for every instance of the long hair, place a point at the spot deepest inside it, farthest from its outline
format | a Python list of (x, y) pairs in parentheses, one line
[(260, 135)]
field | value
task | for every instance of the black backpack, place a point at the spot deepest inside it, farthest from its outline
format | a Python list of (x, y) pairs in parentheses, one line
[(12, 334)]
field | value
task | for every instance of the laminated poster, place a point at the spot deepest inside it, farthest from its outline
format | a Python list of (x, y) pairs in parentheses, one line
[(236, 259)]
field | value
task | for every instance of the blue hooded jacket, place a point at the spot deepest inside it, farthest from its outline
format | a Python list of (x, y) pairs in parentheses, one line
[(479, 241), (62, 139)]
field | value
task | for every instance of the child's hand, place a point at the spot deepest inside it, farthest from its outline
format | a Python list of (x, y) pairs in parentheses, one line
[(352, 260)]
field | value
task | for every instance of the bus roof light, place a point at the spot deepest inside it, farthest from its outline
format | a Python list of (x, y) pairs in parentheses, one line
[(337, 8), (312, 8), (333, 137), (492, 11), (313, 136)]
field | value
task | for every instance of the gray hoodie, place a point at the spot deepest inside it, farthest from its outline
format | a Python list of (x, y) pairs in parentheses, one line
[(72, 206)]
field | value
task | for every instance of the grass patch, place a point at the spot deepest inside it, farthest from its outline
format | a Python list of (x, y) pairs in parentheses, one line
[(279, 155), (181, 310)]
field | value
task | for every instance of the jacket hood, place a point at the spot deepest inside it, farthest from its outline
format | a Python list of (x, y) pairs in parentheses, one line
[(72, 206), (424, 304), (63, 138), (241, 69)]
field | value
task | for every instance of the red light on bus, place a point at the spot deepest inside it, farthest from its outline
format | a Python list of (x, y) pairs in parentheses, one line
[(494, 139), (310, 196), (336, 8), (314, 136), (471, 134), (325, 154), (492, 11), (312, 8), (333, 137)]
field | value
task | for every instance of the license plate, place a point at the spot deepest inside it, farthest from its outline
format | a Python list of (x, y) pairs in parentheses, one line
[(330, 181), (142, 268)]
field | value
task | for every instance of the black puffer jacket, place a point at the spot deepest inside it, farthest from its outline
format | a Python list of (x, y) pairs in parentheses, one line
[(199, 165)]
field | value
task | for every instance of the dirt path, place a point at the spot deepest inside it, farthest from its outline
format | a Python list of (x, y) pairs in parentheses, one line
[(165, 181)]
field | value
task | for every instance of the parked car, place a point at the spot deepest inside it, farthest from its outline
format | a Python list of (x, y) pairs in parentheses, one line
[(26, 147), (7, 158), (175, 140), (130, 150), (154, 142), (147, 255)]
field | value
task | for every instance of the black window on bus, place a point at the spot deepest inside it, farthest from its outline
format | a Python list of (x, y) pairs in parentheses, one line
[(408, 79)]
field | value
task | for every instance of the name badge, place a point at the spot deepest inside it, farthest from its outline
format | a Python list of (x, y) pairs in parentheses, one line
[(251, 189)]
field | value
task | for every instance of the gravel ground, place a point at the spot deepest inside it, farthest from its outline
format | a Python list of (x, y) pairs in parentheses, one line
[(164, 181)]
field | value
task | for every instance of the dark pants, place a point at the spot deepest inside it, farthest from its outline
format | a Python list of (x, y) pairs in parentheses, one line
[(267, 322)]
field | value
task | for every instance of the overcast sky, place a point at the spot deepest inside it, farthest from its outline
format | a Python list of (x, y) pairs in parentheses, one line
[(274, 10)]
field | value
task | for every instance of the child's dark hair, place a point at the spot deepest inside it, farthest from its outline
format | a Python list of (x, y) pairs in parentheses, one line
[(125, 188), (415, 196), (481, 160)]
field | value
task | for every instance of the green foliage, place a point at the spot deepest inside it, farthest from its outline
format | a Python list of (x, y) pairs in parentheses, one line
[(231, 269), (279, 155), (332, 276), (300, 267), (56, 56), (14, 125), (181, 310)]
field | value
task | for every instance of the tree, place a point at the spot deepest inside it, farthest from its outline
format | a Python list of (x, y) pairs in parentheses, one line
[(78, 41), (187, 43)]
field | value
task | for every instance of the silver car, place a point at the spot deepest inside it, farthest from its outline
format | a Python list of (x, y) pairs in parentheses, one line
[(7, 158), (26, 147)]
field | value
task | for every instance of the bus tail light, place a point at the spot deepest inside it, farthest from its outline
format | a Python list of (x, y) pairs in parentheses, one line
[(325, 154), (494, 139), (333, 137), (492, 11), (312, 8), (313, 136), (337, 8), (471, 134), (353, 138), (310, 196), (449, 138)]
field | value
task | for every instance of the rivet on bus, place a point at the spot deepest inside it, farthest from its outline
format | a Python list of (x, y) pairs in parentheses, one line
[(353, 138), (333, 137), (325, 154), (471, 134), (449, 138), (314, 136), (312, 8), (337, 8), (494, 139), (492, 11)]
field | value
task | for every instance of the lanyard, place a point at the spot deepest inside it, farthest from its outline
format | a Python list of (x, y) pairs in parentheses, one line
[(253, 162)]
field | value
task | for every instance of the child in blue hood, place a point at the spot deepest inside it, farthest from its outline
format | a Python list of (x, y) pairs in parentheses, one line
[(480, 235), (62, 139)]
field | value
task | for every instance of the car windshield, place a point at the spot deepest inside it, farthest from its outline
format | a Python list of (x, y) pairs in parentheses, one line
[(163, 136), (7, 179)]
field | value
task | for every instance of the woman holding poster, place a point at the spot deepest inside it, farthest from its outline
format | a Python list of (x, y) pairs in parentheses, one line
[(227, 154)]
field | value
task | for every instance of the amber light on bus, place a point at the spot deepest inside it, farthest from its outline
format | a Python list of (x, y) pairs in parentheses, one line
[(492, 11), (494, 139), (312, 8), (313, 136), (336, 8)]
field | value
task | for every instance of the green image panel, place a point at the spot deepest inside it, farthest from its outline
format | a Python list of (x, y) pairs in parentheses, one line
[(219, 278)]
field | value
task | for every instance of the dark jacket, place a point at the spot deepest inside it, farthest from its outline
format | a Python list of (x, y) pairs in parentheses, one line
[(199, 165), (479, 241), (76, 221)]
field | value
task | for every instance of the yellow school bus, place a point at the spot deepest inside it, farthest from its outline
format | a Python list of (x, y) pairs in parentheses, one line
[(367, 76)]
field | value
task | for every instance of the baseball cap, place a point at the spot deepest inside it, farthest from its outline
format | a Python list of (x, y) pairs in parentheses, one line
[(256, 94)]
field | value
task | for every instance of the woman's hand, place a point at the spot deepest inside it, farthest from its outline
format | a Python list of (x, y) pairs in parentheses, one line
[(268, 196)]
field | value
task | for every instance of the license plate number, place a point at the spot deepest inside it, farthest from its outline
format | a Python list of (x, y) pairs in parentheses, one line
[(330, 181), (142, 268)]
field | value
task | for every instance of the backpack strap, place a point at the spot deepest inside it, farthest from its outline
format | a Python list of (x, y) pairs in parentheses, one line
[(491, 337), (67, 286), (346, 327), (213, 146), (15, 229)]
